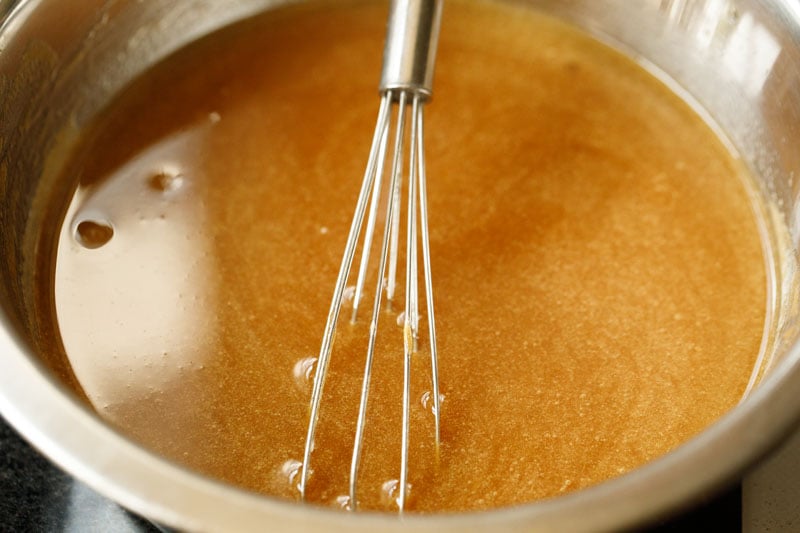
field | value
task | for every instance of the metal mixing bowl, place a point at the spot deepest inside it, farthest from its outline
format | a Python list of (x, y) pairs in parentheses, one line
[(61, 62)]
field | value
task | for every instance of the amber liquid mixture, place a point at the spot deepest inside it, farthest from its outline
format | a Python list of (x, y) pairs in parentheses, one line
[(598, 269)]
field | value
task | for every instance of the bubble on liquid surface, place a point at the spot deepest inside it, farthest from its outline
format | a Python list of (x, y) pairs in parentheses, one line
[(390, 493), (343, 502), (291, 470), (427, 401), (303, 372), (166, 181), (401, 320), (349, 293), (93, 233)]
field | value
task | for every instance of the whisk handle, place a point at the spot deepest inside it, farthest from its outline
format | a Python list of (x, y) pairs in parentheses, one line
[(410, 51)]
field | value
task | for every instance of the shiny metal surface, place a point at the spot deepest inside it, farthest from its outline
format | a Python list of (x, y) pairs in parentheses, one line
[(739, 60), (412, 36)]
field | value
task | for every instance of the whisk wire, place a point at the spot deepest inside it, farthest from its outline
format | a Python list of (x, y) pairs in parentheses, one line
[(373, 215), (397, 171), (409, 326), (333, 314), (416, 200), (412, 287), (376, 310), (426, 269)]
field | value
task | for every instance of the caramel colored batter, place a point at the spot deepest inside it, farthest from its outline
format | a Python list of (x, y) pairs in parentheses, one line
[(598, 270)]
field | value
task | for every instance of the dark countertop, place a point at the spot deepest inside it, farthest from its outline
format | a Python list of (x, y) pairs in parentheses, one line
[(38, 497)]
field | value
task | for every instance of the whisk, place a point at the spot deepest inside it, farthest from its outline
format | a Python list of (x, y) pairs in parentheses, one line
[(408, 61)]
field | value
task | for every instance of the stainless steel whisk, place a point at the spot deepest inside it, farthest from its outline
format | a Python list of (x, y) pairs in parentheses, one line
[(408, 61)]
